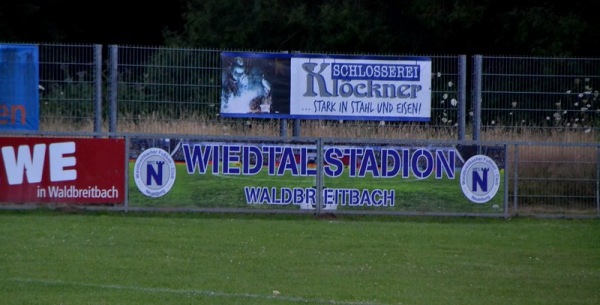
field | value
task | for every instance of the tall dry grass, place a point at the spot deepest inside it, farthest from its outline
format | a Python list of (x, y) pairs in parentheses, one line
[(554, 178), (198, 125)]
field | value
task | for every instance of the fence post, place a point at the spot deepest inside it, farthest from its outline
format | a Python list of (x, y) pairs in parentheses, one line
[(283, 128), (113, 83), (516, 178), (127, 154), (296, 128), (598, 180), (506, 173), (98, 89), (462, 96), (319, 177), (477, 67)]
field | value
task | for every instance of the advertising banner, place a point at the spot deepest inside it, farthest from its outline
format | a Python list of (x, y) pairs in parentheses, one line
[(19, 85), (288, 175), (62, 170), (308, 86)]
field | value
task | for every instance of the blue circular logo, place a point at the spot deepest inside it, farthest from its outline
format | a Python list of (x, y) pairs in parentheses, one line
[(154, 172), (480, 179)]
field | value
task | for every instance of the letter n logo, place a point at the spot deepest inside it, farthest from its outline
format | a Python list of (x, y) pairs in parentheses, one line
[(154, 173), (480, 179)]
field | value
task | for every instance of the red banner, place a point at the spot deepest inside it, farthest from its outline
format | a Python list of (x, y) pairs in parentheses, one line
[(62, 170)]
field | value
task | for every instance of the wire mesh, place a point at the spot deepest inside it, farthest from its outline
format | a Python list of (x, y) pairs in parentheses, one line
[(67, 87), (540, 94), (553, 179)]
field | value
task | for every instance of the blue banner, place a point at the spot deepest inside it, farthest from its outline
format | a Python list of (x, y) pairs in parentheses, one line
[(19, 85)]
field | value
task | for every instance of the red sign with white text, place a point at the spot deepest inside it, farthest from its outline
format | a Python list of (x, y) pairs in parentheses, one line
[(62, 170)]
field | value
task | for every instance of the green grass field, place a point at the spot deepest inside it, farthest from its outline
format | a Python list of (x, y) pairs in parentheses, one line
[(53, 257)]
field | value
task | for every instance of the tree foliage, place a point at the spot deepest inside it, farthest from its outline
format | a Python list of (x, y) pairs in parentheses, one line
[(411, 26), (510, 27)]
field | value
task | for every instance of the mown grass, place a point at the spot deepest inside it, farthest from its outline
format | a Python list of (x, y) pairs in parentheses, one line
[(48, 257)]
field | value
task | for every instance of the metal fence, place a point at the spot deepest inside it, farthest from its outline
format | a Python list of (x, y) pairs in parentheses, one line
[(536, 95), (542, 110), (535, 178), (71, 87), (143, 89), (120, 88)]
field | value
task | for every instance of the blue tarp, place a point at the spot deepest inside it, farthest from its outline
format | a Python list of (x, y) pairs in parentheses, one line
[(19, 87)]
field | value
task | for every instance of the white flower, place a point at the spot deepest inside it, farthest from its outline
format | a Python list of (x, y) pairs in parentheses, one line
[(450, 84), (444, 120), (514, 104), (471, 112), (588, 130), (439, 74), (576, 104), (382, 123), (442, 102), (493, 122), (445, 96), (556, 115), (583, 109), (580, 95), (454, 102), (568, 91), (547, 118), (558, 104), (510, 113)]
